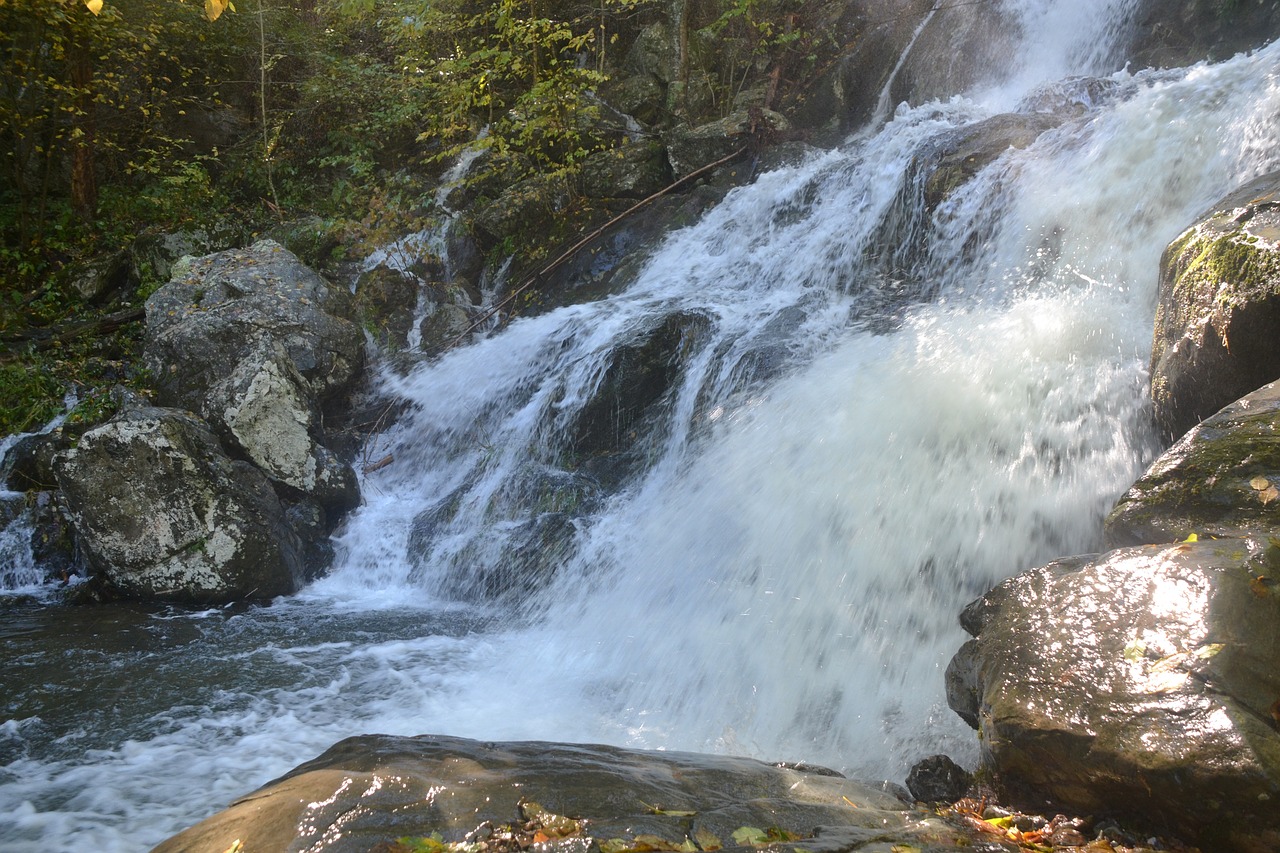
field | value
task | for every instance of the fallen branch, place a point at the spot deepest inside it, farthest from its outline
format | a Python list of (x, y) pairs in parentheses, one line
[(42, 339), (535, 277)]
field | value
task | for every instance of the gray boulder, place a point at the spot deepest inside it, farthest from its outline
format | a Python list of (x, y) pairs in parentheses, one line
[(246, 339), (1140, 683), (163, 513), (369, 791), (1220, 479), (219, 308), (1219, 309)]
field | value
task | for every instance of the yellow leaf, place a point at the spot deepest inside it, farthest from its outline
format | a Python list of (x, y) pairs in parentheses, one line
[(94, 6), (213, 9), (1192, 538), (236, 846), (1259, 484), (706, 839)]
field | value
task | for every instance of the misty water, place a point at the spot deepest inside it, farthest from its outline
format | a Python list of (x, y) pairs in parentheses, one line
[(880, 412)]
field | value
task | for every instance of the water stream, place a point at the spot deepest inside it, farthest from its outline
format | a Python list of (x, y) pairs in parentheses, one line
[(878, 412)]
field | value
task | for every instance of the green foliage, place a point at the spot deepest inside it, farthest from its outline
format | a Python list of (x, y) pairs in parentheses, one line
[(29, 396)]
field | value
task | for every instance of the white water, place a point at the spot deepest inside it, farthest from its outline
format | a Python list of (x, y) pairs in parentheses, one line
[(783, 580)]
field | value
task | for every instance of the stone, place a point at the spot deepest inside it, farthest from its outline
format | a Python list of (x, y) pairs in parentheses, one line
[(369, 791), (219, 308), (691, 148), (953, 158), (160, 510), (1220, 479), (938, 779), (1219, 309), (636, 170), (1141, 683), (639, 376)]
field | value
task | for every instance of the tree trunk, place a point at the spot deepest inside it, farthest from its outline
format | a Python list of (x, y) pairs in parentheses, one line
[(84, 182)]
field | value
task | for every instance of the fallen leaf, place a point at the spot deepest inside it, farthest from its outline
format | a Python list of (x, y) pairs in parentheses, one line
[(746, 836), (706, 839), (1269, 495), (1261, 586), (1258, 484)]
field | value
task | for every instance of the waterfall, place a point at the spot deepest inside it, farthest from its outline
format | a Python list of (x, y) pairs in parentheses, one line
[(852, 415)]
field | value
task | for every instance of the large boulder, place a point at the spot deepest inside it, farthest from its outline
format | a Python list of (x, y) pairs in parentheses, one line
[(1220, 479), (366, 792), (218, 309), (1219, 310), (1140, 683), (248, 340), (164, 513)]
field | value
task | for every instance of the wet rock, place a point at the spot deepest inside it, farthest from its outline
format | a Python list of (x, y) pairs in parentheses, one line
[(1139, 683), (384, 304), (379, 788), (1219, 310), (938, 779), (1220, 479), (691, 148), (953, 158), (1176, 33), (98, 280), (163, 513), (639, 376)]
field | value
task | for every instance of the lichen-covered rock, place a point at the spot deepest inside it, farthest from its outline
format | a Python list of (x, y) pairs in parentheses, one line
[(1142, 683), (1220, 479), (219, 308), (1219, 311), (368, 791), (691, 148), (264, 406), (246, 339), (163, 513), (636, 170)]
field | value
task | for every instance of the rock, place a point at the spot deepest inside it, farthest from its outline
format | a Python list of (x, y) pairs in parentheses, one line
[(527, 207), (637, 170), (152, 256), (689, 149), (384, 304), (264, 406), (1177, 33), (1141, 683), (100, 279), (218, 309), (369, 791), (1220, 479), (637, 379), (161, 511), (1219, 309), (938, 779), (953, 158), (246, 339)]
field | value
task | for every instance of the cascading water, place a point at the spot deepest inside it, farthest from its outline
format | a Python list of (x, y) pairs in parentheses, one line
[(869, 412)]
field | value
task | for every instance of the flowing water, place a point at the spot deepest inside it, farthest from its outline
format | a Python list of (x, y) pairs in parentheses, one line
[(878, 412)]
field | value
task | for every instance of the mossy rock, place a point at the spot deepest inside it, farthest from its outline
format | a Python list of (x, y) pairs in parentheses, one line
[(1220, 479), (1219, 311)]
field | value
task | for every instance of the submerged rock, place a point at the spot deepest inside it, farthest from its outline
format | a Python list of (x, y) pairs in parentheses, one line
[(1219, 310), (163, 513), (1140, 683), (1220, 479), (370, 791)]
